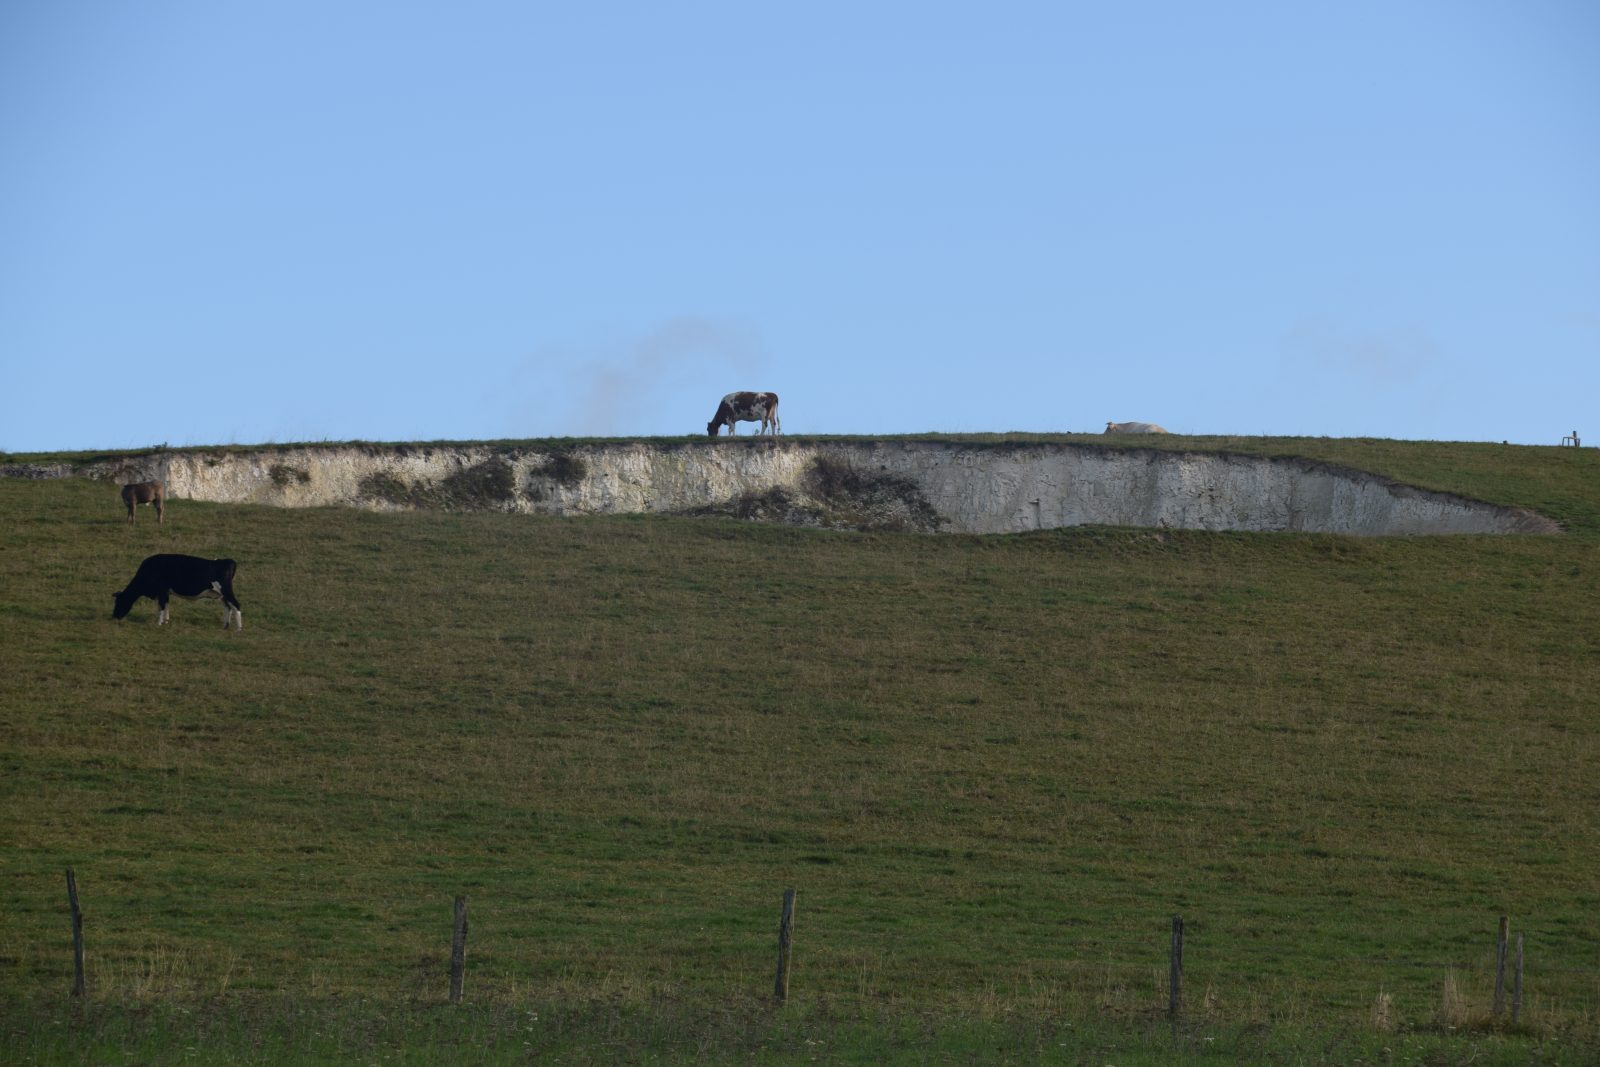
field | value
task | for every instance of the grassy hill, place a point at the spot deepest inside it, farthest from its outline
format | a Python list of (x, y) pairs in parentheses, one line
[(993, 768)]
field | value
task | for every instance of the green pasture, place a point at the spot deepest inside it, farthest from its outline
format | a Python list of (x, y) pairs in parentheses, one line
[(992, 767)]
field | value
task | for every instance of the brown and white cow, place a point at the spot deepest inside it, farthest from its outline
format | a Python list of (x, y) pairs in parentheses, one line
[(146, 493), (1133, 427), (745, 407)]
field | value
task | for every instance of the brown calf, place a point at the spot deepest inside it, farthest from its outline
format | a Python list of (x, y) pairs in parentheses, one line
[(145, 493)]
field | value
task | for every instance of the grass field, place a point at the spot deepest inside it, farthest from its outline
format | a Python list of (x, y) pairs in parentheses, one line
[(993, 768)]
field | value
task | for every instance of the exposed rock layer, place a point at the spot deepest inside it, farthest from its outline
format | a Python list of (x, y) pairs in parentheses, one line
[(925, 485)]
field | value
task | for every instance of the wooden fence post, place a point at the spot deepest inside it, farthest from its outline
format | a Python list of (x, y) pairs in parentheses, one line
[(780, 991), (1516, 989), (1500, 966), (1175, 975), (77, 934), (458, 952)]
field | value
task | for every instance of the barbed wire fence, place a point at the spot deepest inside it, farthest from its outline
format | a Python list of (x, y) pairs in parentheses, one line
[(1509, 969)]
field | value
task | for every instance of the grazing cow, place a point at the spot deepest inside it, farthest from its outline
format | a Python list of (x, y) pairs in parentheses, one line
[(745, 407), (1133, 427), (146, 493), (188, 576)]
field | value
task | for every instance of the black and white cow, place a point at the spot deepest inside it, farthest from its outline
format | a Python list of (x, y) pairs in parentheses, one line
[(188, 576), (745, 407)]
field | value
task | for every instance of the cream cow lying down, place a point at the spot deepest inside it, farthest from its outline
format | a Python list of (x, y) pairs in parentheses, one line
[(1133, 427)]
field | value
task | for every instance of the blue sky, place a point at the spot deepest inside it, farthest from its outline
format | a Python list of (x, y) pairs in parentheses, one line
[(245, 223)]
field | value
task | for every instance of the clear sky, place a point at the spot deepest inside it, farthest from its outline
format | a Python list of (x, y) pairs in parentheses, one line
[(230, 222)]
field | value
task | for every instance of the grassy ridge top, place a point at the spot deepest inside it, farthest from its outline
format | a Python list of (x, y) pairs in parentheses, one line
[(993, 767)]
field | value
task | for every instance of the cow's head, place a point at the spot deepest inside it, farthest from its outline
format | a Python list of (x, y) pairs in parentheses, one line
[(713, 427), (122, 603)]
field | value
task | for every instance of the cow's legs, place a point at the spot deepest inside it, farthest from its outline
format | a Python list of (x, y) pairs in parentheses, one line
[(161, 604), (161, 512)]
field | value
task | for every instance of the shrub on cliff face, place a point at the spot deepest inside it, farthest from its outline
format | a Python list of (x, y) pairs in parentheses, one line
[(385, 487), (831, 477), (282, 474), (868, 500), (777, 505), (772, 505), (485, 486), (834, 495), (566, 469)]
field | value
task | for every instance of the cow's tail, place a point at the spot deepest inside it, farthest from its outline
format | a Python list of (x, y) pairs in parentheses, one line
[(231, 611), (229, 569)]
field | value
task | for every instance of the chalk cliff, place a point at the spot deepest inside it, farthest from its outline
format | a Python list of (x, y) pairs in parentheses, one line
[(902, 484)]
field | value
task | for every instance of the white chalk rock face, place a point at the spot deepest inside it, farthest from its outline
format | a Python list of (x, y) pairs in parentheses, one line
[(923, 485)]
